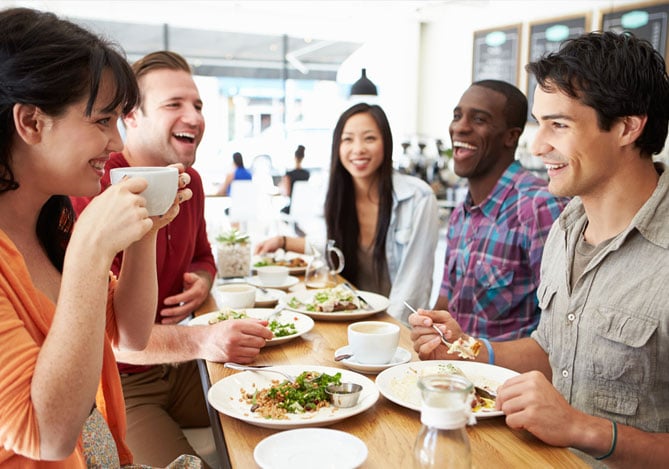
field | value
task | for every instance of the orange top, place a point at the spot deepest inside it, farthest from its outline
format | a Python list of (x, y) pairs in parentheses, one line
[(25, 318)]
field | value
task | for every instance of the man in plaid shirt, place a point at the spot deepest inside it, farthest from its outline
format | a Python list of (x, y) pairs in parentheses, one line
[(496, 237)]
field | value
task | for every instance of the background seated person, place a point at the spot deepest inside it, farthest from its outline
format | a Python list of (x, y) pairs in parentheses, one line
[(297, 174), (240, 173)]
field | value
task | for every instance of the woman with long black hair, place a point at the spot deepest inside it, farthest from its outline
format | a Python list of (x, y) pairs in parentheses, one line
[(385, 223)]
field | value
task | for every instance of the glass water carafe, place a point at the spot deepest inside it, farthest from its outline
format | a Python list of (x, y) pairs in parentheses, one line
[(323, 269), (445, 411)]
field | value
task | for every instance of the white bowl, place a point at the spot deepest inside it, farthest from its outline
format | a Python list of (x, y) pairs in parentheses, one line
[(235, 295), (272, 275)]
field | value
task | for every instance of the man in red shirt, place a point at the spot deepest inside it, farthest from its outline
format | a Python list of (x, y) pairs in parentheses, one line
[(161, 398)]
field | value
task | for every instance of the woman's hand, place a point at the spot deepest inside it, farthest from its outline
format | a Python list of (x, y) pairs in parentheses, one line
[(269, 245), (113, 220)]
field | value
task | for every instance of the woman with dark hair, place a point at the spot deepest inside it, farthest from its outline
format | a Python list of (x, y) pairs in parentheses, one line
[(291, 177), (61, 92), (240, 173), (385, 223)]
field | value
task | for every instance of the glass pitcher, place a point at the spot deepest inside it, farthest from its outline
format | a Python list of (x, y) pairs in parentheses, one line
[(322, 270)]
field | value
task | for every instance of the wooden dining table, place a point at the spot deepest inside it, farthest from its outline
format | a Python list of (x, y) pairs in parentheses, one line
[(388, 429)]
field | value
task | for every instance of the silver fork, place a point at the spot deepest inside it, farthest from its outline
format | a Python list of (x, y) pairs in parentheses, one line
[(434, 326), (362, 301), (275, 313), (269, 368)]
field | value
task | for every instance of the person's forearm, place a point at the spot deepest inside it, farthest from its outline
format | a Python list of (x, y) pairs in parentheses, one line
[(636, 448), (68, 367), (294, 244), (167, 344), (136, 295), (520, 355)]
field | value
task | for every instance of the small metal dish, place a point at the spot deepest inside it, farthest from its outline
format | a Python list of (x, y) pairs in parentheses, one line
[(344, 394)]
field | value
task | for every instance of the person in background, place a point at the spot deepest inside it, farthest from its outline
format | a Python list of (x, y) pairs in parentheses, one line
[(165, 128), (496, 236), (602, 103), (297, 174), (239, 174), (384, 222), (61, 310)]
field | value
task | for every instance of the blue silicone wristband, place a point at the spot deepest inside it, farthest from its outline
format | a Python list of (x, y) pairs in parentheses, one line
[(491, 352)]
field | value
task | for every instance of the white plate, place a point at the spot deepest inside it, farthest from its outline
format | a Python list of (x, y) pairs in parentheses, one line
[(377, 302), (305, 447), (289, 255), (399, 384), (225, 396), (401, 356), (289, 282), (303, 323), (269, 299)]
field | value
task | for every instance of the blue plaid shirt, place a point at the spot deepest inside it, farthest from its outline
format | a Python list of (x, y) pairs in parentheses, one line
[(493, 256)]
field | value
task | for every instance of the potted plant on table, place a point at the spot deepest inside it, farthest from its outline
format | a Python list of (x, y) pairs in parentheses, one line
[(233, 254)]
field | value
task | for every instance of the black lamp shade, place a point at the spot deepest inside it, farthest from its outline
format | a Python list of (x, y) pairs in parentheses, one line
[(363, 86)]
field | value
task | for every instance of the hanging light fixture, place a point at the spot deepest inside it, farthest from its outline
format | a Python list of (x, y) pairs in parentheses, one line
[(364, 86)]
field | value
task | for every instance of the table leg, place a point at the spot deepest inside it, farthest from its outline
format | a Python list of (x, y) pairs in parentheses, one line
[(219, 438)]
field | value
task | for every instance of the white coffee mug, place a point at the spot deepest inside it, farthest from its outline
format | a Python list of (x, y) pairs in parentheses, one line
[(373, 342), (162, 188), (235, 295)]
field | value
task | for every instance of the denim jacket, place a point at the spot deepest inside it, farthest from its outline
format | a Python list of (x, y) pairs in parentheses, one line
[(410, 244)]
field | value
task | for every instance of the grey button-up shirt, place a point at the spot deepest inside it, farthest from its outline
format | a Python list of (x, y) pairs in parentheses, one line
[(608, 338)]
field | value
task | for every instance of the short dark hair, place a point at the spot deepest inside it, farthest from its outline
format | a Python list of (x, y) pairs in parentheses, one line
[(515, 109), (617, 75), (159, 60)]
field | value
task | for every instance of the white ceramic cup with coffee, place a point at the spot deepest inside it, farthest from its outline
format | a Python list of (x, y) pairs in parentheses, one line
[(235, 295), (162, 188), (373, 342)]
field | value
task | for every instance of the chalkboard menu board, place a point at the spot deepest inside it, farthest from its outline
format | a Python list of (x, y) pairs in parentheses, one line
[(546, 37), (496, 54), (647, 22)]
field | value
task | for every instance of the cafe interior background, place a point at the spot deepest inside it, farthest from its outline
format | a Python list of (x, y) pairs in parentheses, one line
[(275, 74)]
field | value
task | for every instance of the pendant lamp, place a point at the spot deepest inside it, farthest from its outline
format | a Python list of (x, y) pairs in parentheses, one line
[(363, 86)]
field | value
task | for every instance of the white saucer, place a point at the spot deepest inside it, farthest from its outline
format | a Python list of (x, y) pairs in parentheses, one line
[(269, 299), (310, 447), (289, 282), (401, 356)]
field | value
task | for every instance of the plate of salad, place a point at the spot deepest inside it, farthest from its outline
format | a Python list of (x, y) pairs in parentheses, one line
[(285, 326), (267, 400), (336, 304)]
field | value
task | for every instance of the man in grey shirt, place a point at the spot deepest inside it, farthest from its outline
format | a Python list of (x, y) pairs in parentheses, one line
[(602, 104)]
